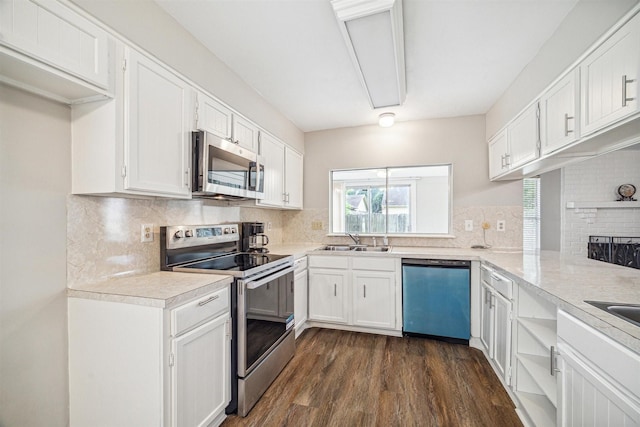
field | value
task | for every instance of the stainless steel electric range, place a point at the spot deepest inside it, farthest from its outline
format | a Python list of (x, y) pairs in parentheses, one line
[(262, 302)]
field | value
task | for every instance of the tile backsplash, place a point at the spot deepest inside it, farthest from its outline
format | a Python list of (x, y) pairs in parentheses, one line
[(103, 233), (312, 225)]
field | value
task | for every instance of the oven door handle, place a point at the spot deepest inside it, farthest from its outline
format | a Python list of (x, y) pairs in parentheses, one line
[(268, 279)]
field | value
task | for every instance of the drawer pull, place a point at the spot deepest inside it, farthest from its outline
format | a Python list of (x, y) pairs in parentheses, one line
[(208, 300)]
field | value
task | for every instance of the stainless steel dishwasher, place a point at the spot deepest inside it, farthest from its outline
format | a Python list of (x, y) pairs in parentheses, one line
[(436, 298)]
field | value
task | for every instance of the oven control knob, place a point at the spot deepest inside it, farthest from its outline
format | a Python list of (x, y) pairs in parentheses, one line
[(188, 233), (233, 231), (178, 234), (226, 230)]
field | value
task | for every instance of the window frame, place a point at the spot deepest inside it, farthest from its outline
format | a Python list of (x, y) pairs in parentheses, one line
[(413, 208)]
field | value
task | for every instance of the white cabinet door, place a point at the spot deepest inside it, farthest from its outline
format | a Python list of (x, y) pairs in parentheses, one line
[(498, 150), (374, 300), (327, 295), (213, 117), (502, 309), (523, 136), (559, 115), (293, 165), (272, 152), (609, 77), (300, 297), (245, 133), (201, 374), (50, 32), (486, 316), (157, 128), (589, 399)]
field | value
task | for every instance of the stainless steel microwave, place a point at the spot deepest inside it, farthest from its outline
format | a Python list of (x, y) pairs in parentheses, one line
[(225, 170)]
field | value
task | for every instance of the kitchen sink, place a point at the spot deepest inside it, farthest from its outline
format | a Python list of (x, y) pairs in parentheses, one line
[(628, 312), (356, 248)]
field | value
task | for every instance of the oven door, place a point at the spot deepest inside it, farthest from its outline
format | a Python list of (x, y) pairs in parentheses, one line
[(264, 317)]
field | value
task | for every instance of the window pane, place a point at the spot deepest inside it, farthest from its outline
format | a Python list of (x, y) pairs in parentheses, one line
[(403, 200), (531, 213)]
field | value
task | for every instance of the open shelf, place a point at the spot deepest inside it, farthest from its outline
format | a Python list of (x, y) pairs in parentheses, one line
[(602, 205), (538, 369), (543, 330), (538, 408)]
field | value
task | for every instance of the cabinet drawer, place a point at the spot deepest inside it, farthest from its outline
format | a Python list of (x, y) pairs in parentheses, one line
[(329, 262), (498, 282), (374, 264), (619, 362), (191, 314), (300, 265)]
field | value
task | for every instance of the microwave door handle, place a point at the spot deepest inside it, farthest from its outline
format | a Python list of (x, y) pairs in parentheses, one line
[(268, 279), (253, 172)]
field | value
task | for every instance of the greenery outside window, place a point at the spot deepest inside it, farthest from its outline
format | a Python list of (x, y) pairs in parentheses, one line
[(412, 200)]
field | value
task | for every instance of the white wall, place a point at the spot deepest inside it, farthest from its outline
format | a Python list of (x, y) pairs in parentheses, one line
[(588, 20), (459, 141), (597, 180), (146, 24), (34, 181)]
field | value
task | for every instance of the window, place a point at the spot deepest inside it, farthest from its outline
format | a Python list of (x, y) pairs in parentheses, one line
[(399, 200), (531, 214)]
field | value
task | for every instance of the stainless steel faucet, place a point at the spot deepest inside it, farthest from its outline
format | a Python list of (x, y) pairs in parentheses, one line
[(355, 238)]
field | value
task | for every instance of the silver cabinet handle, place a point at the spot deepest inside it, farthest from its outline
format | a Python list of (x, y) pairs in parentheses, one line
[(567, 117), (208, 300), (502, 165), (335, 290), (625, 82), (292, 286), (364, 293), (487, 296), (552, 361), (493, 301), (507, 163)]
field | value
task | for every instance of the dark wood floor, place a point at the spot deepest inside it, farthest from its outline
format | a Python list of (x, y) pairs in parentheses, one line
[(349, 379)]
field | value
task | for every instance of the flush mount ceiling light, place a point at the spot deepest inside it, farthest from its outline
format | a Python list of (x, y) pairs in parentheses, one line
[(373, 32), (386, 120)]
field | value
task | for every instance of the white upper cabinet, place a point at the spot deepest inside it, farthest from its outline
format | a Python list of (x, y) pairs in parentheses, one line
[(517, 144), (272, 152), (498, 150), (137, 143), (245, 133), (559, 119), (293, 165), (214, 117), (48, 48), (282, 174), (523, 136), (157, 131), (609, 78)]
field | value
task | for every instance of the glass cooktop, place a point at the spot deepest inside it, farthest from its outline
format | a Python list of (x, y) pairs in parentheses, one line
[(236, 262)]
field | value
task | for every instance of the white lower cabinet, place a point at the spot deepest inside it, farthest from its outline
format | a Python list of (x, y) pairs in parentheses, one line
[(136, 365), (373, 294), (355, 291), (200, 374), (301, 294), (600, 379), (496, 325), (327, 295)]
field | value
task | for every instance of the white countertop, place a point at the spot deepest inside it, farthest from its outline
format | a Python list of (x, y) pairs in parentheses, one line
[(164, 289), (566, 281)]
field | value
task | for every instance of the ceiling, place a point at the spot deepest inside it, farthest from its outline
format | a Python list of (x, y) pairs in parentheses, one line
[(461, 55)]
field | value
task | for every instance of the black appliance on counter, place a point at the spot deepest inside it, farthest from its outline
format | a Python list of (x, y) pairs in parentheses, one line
[(252, 237), (261, 302), (615, 250)]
